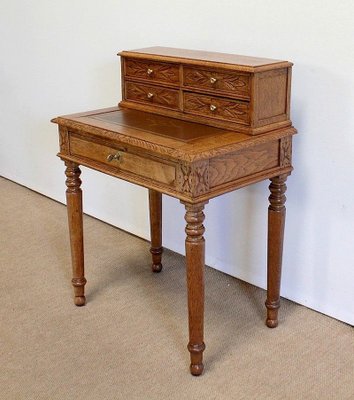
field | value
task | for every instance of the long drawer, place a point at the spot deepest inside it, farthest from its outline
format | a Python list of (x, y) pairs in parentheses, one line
[(120, 158)]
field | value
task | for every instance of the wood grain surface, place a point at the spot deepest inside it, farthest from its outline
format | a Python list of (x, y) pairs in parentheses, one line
[(243, 163)]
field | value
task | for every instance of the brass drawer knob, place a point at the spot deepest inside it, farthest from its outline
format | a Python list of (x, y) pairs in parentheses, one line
[(115, 157), (150, 95), (213, 80), (149, 71), (212, 107)]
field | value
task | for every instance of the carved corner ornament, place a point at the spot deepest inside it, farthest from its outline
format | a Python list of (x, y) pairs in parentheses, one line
[(285, 151), (193, 178)]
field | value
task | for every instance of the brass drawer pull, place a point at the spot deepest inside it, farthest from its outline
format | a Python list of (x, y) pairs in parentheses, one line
[(213, 80), (150, 95), (212, 107), (149, 71), (115, 157)]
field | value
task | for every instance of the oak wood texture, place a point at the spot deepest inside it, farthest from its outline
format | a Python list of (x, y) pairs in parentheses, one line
[(195, 260), (245, 94), (193, 152), (74, 208), (230, 167), (276, 223), (155, 208)]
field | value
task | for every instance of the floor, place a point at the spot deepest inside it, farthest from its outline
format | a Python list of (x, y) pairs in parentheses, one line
[(129, 341)]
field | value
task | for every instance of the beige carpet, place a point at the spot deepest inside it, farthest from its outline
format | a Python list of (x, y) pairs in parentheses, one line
[(129, 342)]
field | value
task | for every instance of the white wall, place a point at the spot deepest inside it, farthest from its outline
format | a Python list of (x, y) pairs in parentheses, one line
[(58, 57)]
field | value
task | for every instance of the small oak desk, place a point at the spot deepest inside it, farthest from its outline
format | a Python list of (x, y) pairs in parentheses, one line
[(184, 156)]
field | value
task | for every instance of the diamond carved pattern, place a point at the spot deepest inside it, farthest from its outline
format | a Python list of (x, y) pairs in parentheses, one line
[(193, 179), (285, 151)]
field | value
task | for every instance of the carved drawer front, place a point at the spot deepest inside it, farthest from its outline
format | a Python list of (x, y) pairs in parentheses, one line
[(153, 71), (121, 159), (216, 107), (154, 95), (223, 82)]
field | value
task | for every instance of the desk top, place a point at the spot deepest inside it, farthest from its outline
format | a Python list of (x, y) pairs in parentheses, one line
[(175, 138)]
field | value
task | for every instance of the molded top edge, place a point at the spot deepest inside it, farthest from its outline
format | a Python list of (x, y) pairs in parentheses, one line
[(246, 63)]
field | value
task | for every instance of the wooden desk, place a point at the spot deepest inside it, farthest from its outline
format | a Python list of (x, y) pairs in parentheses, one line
[(192, 161)]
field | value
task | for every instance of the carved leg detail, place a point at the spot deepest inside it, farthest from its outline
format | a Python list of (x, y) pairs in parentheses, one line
[(155, 203), (276, 222), (195, 260), (74, 208)]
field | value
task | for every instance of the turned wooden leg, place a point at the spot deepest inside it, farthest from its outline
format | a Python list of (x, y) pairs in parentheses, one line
[(276, 222), (155, 203), (74, 208), (195, 260)]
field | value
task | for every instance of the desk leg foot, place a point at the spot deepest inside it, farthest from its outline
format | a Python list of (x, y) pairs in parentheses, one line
[(276, 223), (195, 260), (74, 208), (196, 351), (155, 205)]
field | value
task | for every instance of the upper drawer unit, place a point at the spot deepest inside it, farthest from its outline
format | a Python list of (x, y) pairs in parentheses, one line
[(152, 71), (244, 94)]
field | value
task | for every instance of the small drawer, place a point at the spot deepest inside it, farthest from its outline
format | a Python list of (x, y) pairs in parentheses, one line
[(121, 159), (216, 107), (153, 95), (152, 71), (218, 81)]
